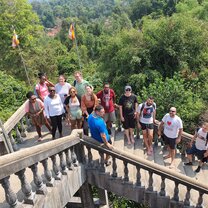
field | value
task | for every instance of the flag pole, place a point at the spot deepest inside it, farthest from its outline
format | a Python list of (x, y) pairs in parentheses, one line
[(80, 66), (75, 39), (25, 68), (22, 59)]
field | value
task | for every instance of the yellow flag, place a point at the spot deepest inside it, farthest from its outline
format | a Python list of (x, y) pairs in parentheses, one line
[(15, 41), (71, 32)]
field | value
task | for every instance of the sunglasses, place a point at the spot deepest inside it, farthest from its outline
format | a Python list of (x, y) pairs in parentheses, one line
[(33, 98), (172, 111), (52, 90), (128, 89)]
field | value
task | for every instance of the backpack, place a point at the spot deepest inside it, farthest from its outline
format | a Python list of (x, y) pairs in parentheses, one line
[(206, 136), (75, 82), (143, 104)]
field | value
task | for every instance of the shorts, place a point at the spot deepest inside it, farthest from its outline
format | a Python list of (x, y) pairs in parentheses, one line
[(129, 122), (195, 151), (110, 116), (170, 141), (76, 114), (146, 126)]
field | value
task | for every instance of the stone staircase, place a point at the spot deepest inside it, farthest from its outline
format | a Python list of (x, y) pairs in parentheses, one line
[(137, 149)]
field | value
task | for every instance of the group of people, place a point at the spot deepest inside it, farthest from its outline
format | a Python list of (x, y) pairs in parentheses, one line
[(82, 108)]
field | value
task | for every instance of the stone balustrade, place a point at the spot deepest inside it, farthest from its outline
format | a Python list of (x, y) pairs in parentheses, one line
[(14, 130), (141, 164), (60, 154)]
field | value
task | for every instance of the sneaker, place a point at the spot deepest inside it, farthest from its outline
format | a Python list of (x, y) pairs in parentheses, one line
[(198, 169), (40, 139), (107, 163), (188, 163)]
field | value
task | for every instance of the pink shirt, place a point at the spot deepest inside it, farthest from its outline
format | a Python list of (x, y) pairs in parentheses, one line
[(27, 104), (43, 89)]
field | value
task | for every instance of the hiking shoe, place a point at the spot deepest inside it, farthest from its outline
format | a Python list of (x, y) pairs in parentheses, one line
[(198, 169), (188, 163)]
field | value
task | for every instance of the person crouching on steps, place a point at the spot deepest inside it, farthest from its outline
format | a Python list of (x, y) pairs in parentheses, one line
[(99, 130), (199, 146), (34, 107)]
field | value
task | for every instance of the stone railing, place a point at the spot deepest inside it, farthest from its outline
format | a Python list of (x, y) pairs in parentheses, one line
[(63, 157), (191, 186), (17, 125)]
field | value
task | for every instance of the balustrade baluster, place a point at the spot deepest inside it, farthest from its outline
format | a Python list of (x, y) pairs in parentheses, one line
[(162, 188), (56, 168), (187, 198), (41, 187), (23, 129), (26, 188), (126, 172), (47, 173), (19, 137), (68, 159), (102, 162), (29, 126), (150, 185), (63, 164), (10, 196), (13, 143), (114, 165), (90, 161), (200, 200), (74, 157), (138, 181), (176, 191)]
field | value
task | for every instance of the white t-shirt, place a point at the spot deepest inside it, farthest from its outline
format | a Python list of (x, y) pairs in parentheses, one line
[(201, 140), (172, 125), (53, 107), (62, 90), (146, 116)]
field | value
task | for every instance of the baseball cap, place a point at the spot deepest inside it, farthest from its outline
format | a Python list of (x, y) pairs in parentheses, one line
[(128, 87)]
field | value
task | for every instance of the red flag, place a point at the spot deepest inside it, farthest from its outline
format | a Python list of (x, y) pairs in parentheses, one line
[(15, 41), (71, 32)]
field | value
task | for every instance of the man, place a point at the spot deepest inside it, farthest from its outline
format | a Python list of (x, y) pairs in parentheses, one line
[(98, 129), (127, 107), (107, 97), (146, 119), (80, 83), (200, 147), (173, 129)]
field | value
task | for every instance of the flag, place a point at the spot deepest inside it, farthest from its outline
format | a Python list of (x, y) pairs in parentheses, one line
[(15, 41), (71, 32)]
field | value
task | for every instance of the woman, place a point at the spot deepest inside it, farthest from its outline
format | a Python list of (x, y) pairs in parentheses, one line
[(42, 87), (73, 108), (34, 107), (54, 109), (88, 103), (62, 87)]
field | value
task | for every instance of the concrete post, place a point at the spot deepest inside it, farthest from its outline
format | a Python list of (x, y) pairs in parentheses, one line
[(86, 196), (103, 197)]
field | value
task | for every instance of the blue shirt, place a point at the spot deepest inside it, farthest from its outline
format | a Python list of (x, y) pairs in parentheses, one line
[(97, 126)]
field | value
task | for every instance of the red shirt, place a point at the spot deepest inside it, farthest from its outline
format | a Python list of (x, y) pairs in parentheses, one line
[(107, 100)]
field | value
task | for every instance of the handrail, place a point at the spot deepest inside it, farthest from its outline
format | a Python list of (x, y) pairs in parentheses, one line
[(147, 165), (15, 118), (14, 162)]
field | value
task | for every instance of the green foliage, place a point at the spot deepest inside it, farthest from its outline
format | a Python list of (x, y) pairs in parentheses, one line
[(12, 93), (173, 92)]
